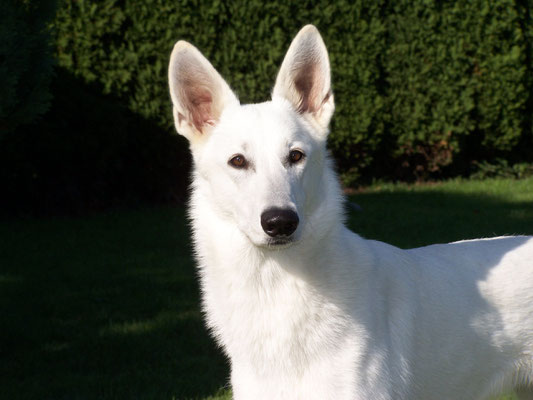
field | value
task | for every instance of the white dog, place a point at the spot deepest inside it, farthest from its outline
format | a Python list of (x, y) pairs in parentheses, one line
[(306, 309)]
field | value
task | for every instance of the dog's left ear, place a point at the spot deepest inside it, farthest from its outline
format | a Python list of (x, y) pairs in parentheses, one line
[(304, 78)]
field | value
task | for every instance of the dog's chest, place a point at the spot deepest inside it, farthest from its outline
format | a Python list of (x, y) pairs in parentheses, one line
[(271, 319)]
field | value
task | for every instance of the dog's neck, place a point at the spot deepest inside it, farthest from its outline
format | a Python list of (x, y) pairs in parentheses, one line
[(247, 289)]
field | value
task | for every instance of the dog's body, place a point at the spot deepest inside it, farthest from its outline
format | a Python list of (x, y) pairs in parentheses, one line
[(306, 309)]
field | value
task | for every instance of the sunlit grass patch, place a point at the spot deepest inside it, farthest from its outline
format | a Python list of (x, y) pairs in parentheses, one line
[(164, 320)]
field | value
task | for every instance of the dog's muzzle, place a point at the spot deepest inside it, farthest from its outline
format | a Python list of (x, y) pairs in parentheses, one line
[(279, 223)]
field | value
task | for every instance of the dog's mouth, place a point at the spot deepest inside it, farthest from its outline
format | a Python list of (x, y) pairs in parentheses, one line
[(275, 243), (279, 243)]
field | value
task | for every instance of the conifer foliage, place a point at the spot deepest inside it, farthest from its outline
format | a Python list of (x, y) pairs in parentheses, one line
[(420, 85), (26, 61)]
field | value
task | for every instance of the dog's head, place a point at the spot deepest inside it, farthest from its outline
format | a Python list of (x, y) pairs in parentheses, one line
[(262, 164)]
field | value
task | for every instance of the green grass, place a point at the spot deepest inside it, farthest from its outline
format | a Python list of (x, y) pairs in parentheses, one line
[(103, 307), (106, 306), (417, 215)]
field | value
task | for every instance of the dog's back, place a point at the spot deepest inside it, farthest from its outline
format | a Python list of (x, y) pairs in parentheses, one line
[(462, 312)]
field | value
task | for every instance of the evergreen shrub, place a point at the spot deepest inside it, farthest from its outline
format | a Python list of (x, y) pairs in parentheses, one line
[(89, 153), (423, 87), (26, 61)]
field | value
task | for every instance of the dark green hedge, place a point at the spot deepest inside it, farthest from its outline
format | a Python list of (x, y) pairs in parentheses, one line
[(26, 61), (89, 153), (424, 89), (420, 85)]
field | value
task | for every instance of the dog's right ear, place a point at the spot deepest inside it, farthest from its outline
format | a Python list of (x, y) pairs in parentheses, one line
[(199, 94)]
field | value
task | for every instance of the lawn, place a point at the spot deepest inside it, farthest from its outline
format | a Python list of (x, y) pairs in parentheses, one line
[(106, 306)]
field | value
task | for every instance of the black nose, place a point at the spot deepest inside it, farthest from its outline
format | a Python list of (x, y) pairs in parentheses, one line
[(279, 222)]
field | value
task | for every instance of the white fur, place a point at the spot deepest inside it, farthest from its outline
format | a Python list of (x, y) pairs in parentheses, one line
[(331, 315)]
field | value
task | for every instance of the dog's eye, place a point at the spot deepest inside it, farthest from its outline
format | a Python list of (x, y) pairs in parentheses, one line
[(238, 161), (295, 156)]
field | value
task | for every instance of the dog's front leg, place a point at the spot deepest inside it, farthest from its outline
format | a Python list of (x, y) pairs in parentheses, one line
[(245, 384)]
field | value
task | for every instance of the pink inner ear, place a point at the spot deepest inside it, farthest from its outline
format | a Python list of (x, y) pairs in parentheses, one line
[(200, 107), (305, 83)]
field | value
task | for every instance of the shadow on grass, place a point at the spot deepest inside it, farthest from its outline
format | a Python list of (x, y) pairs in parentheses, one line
[(103, 307), (107, 306)]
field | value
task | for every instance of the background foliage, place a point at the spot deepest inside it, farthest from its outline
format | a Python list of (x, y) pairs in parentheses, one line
[(26, 61), (424, 89)]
